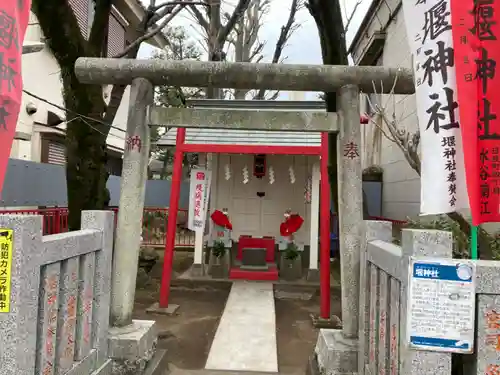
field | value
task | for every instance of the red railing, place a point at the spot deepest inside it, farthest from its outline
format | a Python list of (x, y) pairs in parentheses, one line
[(154, 224)]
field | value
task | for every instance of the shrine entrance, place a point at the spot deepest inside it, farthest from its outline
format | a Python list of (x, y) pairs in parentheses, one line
[(346, 82)]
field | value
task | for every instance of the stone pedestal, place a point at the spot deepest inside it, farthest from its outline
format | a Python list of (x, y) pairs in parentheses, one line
[(132, 347), (313, 275), (336, 355), (197, 270)]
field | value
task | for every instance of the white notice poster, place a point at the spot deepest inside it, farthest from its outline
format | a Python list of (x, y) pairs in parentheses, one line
[(198, 198), (441, 305), (443, 186)]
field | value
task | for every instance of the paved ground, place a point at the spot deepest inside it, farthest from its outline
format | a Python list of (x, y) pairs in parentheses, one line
[(246, 337), (188, 334)]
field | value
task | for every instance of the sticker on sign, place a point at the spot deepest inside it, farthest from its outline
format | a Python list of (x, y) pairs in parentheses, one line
[(441, 305)]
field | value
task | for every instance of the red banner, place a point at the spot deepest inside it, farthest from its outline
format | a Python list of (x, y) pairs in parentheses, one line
[(476, 29), (14, 16)]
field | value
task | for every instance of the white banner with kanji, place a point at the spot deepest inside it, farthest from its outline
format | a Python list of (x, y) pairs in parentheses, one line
[(443, 185), (199, 188)]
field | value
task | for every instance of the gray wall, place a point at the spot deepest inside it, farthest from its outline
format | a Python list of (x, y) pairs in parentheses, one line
[(401, 193), (373, 195), (37, 184)]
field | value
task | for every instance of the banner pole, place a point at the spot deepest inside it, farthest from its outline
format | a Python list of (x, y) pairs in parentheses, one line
[(473, 242)]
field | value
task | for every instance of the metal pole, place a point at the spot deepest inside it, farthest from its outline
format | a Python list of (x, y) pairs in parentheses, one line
[(132, 192), (288, 77), (324, 230), (168, 258)]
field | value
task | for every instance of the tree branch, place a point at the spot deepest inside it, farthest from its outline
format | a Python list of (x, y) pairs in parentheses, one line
[(349, 18), (130, 52), (173, 3), (238, 12), (286, 32), (151, 33), (200, 18), (100, 27)]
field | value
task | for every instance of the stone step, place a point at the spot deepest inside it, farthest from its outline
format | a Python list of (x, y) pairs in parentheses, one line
[(254, 268), (178, 371)]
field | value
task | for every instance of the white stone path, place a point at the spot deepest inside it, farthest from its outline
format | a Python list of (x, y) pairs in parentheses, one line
[(246, 337)]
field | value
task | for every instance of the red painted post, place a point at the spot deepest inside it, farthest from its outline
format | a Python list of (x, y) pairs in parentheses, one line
[(324, 203), (172, 218)]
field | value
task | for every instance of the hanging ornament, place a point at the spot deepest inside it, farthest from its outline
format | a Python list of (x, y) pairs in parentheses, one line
[(291, 172), (227, 172), (271, 175), (245, 175), (307, 190)]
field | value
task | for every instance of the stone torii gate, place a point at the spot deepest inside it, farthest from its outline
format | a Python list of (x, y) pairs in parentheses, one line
[(347, 81)]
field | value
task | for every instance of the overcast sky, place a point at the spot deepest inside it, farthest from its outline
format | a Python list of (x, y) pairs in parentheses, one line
[(303, 47)]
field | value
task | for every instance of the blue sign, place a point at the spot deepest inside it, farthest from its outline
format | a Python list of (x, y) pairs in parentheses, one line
[(456, 272), (441, 305)]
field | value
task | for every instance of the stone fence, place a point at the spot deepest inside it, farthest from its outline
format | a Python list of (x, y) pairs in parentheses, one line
[(383, 310), (383, 347), (54, 296)]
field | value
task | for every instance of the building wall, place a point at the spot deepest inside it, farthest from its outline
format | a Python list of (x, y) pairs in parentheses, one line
[(41, 76), (401, 189), (251, 215)]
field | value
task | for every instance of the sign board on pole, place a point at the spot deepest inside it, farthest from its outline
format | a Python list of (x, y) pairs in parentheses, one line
[(475, 33), (198, 199), (429, 30), (441, 305)]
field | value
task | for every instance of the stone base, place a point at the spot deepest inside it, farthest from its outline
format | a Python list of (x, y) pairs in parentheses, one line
[(313, 276), (312, 366), (197, 270), (156, 309), (158, 364), (132, 347), (333, 323), (336, 355)]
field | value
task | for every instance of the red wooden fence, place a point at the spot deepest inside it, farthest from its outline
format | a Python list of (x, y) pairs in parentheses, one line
[(154, 224)]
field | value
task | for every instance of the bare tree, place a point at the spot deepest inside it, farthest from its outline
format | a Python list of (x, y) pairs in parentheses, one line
[(390, 127), (248, 47), (245, 38), (216, 31)]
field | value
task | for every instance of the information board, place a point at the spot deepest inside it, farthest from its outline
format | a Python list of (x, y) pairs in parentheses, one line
[(441, 305), (5, 268)]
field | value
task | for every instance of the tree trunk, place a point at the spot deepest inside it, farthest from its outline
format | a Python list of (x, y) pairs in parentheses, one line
[(86, 173), (328, 17)]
